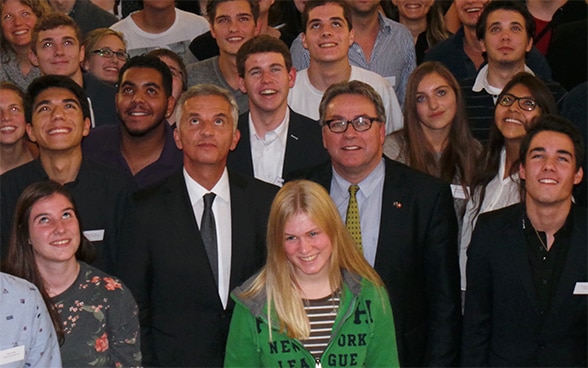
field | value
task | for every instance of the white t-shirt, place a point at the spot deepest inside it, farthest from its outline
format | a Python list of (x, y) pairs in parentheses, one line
[(177, 38), (305, 99)]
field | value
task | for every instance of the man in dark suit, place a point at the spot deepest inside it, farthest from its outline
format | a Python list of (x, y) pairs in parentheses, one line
[(276, 140), (180, 254), (407, 226), (526, 302)]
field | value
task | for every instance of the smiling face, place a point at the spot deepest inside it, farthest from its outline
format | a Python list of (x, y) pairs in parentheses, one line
[(232, 26), (353, 154), (512, 121), (54, 230), (58, 51), (12, 119), (104, 68), (18, 21), (58, 123), (307, 247), (506, 40), (327, 36), (267, 81), (413, 9), (141, 101), (436, 104), (468, 11), (205, 131), (550, 169)]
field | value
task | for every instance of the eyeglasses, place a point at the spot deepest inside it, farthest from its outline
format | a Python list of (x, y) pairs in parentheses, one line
[(360, 124), (525, 103), (108, 53)]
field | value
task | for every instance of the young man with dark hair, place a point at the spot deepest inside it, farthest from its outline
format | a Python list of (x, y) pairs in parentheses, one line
[(56, 49), (327, 35), (381, 45), (275, 140), (526, 300), (505, 30), (142, 145), (232, 23), (59, 117)]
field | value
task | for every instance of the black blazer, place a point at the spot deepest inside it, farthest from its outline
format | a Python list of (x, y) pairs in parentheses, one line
[(502, 321), (164, 263), (304, 147), (417, 260)]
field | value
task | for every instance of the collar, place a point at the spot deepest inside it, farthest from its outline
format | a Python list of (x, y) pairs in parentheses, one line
[(367, 185), (481, 82), (197, 191), (281, 131)]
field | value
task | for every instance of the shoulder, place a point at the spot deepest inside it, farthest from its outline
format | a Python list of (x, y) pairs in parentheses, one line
[(303, 121), (412, 176), (256, 190), (396, 29), (124, 25), (16, 286), (185, 15), (104, 175), (99, 280), (368, 76), (442, 50), (501, 217)]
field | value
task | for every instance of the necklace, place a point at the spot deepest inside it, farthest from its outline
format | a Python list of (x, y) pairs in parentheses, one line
[(541, 240), (537, 234)]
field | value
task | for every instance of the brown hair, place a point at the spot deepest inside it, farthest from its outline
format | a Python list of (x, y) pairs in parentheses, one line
[(51, 21), (260, 44), (20, 260), (311, 4), (459, 156)]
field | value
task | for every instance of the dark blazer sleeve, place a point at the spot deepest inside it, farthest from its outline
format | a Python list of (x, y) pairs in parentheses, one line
[(477, 323), (442, 283)]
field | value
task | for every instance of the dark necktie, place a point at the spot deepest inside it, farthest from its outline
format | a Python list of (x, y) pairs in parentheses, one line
[(352, 217), (208, 233)]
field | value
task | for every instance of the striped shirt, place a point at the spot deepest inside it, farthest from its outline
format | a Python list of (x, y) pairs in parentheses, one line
[(321, 313)]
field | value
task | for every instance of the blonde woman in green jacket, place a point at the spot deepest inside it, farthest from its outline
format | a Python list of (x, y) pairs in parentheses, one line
[(317, 302)]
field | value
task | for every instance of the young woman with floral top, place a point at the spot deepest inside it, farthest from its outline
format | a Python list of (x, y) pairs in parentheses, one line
[(94, 314)]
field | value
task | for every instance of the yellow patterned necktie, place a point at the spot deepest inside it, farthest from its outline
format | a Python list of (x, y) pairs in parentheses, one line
[(352, 217)]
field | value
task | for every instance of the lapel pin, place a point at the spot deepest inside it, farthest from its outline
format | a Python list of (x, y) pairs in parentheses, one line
[(397, 204)]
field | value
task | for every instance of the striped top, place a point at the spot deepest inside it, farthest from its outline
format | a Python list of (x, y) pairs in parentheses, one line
[(321, 314)]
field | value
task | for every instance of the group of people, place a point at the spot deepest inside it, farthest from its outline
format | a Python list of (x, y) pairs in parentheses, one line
[(379, 194)]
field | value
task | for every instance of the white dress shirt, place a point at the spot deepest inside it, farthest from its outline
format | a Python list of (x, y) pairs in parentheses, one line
[(268, 153), (221, 207)]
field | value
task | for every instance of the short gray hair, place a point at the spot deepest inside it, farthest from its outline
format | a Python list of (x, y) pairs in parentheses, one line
[(353, 87), (207, 90)]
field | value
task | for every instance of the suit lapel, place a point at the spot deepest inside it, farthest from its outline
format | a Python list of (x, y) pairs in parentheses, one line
[(186, 234), (514, 236), (240, 158), (575, 265), (394, 192)]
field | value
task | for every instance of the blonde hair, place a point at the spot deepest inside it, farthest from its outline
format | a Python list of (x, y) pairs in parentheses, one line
[(282, 295)]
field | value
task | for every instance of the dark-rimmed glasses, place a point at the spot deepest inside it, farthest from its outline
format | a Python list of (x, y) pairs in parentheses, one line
[(525, 103), (108, 53), (360, 124)]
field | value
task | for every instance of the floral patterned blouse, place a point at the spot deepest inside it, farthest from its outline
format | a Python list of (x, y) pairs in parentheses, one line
[(100, 322)]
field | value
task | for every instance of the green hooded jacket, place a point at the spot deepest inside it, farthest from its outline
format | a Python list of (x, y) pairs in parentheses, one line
[(363, 334)]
